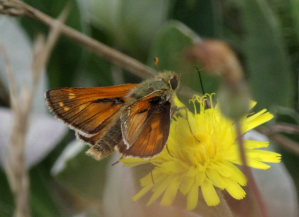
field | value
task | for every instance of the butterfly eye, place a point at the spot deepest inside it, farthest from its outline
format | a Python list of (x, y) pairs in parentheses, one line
[(174, 82)]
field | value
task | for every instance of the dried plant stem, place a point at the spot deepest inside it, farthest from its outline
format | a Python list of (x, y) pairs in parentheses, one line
[(254, 194), (285, 127), (21, 103), (280, 139), (18, 8), (15, 159)]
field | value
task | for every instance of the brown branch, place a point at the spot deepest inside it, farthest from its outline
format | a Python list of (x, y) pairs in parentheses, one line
[(254, 195), (285, 128), (18, 8), (280, 139)]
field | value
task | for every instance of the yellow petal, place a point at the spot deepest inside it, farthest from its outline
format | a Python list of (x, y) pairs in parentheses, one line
[(265, 156), (256, 120), (215, 178), (258, 165), (170, 192), (188, 181), (158, 189), (235, 190), (232, 172), (192, 198), (146, 180), (209, 193), (142, 192), (252, 144)]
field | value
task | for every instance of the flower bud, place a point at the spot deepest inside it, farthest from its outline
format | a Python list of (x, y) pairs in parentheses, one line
[(234, 103)]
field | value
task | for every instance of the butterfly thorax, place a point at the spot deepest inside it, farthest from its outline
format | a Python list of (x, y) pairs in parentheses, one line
[(163, 84)]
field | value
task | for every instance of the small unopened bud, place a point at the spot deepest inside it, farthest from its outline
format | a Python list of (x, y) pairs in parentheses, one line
[(234, 104), (217, 58)]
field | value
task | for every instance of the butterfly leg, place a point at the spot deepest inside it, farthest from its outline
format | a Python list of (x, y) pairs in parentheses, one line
[(152, 176), (185, 109)]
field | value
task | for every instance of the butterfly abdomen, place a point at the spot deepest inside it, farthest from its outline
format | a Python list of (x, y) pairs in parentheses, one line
[(107, 143)]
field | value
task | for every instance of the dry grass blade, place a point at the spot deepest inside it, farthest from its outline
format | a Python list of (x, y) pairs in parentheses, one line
[(284, 141), (15, 158), (257, 203), (285, 128)]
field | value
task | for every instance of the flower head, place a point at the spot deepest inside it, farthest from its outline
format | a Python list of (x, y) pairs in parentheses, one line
[(202, 155)]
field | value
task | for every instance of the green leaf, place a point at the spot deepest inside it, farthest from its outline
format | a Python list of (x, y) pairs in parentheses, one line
[(267, 61)]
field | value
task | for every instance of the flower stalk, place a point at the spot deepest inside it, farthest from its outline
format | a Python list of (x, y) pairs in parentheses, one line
[(254, 194)]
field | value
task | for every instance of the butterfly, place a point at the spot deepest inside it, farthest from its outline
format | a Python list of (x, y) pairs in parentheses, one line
[(133, 119)]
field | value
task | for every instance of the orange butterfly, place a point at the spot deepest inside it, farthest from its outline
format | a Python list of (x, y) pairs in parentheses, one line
[(133, 119)]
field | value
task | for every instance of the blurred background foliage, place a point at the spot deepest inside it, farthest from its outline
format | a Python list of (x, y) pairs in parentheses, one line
[(264, 34)]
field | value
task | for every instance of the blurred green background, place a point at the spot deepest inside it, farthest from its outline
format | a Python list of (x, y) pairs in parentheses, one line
[(263, 33)]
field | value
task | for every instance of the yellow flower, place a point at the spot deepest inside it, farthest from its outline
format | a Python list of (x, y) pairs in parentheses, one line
[(202, 155)]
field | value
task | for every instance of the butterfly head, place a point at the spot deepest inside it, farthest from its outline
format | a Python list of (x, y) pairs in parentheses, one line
[(171, 79)]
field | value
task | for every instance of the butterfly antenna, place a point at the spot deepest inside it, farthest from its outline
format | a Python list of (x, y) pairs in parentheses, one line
[(200, 80)]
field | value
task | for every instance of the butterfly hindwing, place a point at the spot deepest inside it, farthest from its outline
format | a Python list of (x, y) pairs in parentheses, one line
[(145, 126), (88, 110)]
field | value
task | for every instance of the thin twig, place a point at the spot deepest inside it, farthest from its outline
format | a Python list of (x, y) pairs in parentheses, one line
[(18, 8), (254, 194), (15, 159), (114, 56), (280, 139), (285, 128)]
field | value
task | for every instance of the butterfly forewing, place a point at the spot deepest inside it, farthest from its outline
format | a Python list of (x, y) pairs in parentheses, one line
[(88, 110), (145, 126)]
